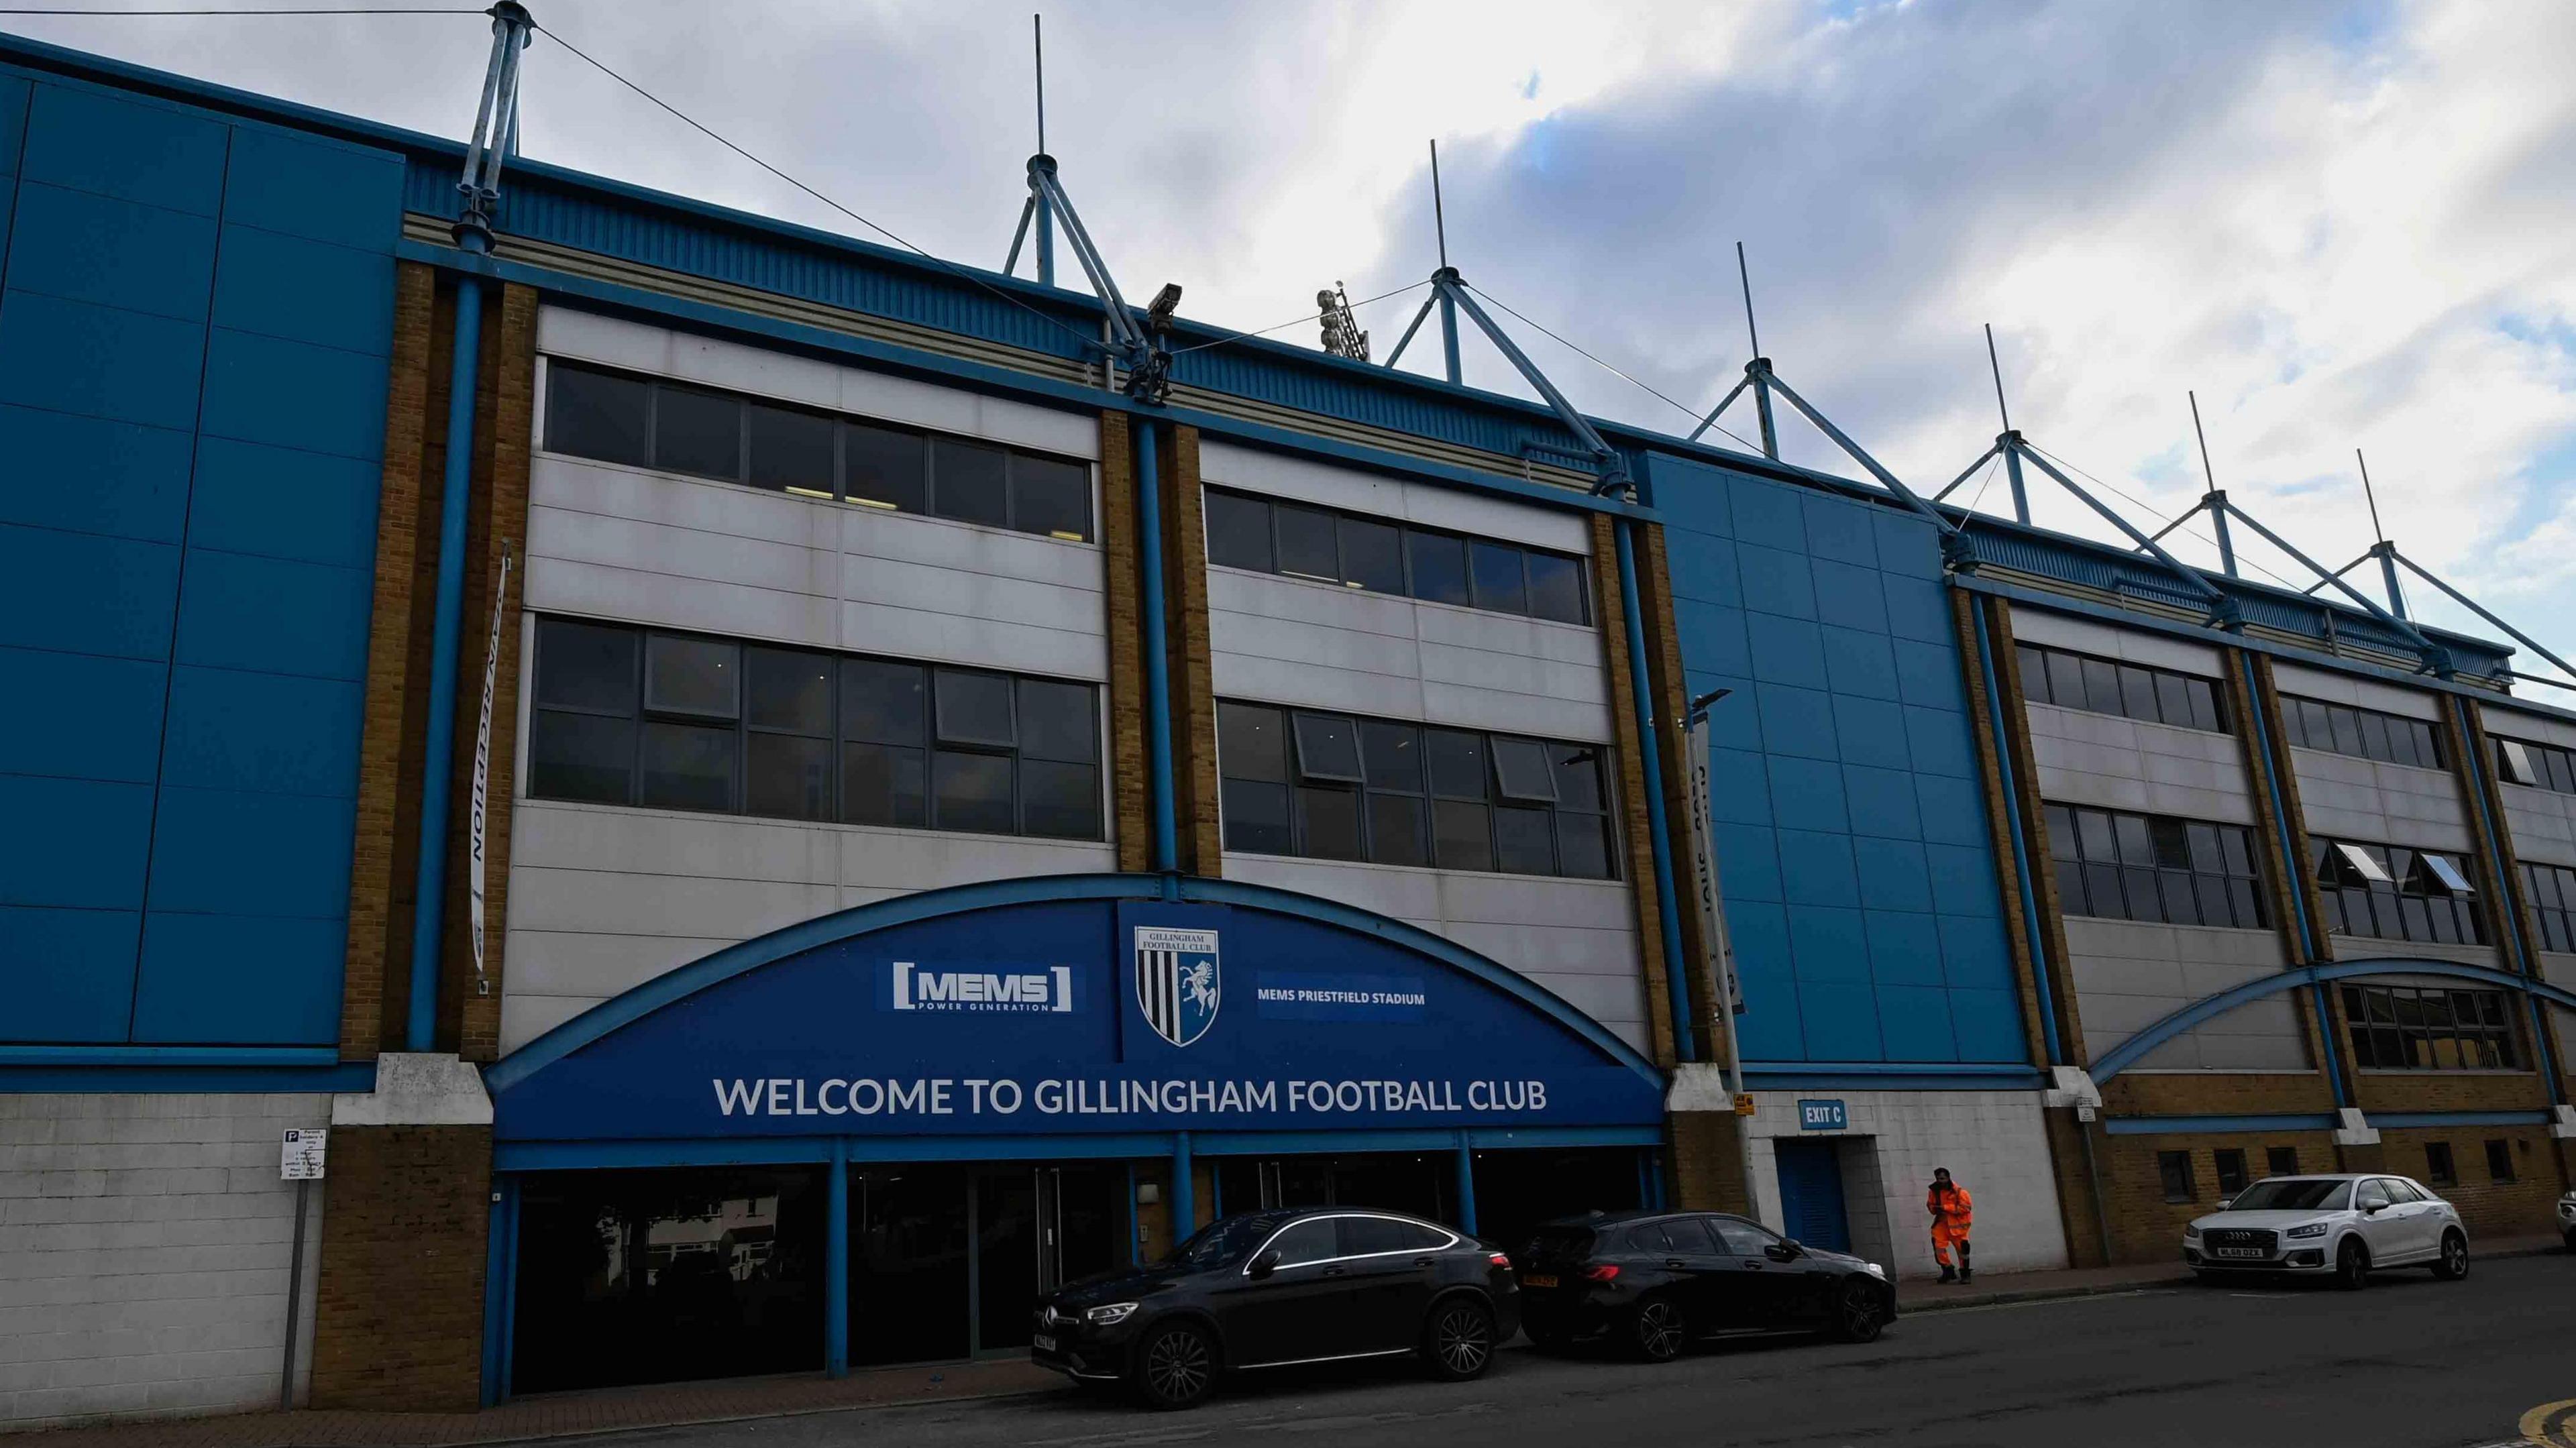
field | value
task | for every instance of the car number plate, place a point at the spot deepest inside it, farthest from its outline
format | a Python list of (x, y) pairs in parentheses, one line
[(1042, 1343), (1539, 1279), (2238, 1251)]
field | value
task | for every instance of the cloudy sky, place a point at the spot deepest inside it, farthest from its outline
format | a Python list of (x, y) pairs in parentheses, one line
[(2345, 225)]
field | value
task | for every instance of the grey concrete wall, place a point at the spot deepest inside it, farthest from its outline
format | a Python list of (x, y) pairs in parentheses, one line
[(1993, 1142), (2383, 804), (2130, 974), (143, 1254), (2109, 762)]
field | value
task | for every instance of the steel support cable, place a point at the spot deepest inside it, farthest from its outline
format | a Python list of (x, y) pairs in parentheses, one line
[(1088, 343), (1542, 330), (1987, 480), (1231, 336)]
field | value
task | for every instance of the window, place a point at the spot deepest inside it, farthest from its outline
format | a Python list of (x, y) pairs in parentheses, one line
[(1355, 550), (2427, 1028), (2175, 1168), (2552, 889), (2231, 1171), (1362, 1236), (677, 428), (2106, 686), (1741, 1238), (2542, 766), (2280, 1161), (2500, 1161), (1308, 1241), (2152, 867), (2438, 1167), (2396, 893), (1339, 787), (681, 721), (2362, 733)]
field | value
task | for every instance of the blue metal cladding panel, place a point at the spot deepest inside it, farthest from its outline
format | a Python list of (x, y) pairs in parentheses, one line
[(193, 345), (1860, 886)]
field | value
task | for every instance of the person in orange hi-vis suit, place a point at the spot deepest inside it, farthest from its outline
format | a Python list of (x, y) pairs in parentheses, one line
[(1953, 1213)]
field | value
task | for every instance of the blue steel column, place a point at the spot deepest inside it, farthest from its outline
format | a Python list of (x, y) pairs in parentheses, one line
[(498, 1262), (1651, 760), (836, 1264), (1466, 1186), (1158, 681), (429, 887), (1184, 1198), (1449, 334), (2020, 845)]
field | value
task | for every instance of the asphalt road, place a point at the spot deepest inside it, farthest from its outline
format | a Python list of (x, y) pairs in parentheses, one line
[(2409, 1363)]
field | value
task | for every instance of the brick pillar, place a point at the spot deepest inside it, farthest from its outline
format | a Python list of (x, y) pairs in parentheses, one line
[(1130, 800), (398, 1313), (1193, 685), (1631, 786), (1708, 1162)]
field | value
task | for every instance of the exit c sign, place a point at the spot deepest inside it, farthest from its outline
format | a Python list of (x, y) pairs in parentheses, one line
[(1822, 1116)]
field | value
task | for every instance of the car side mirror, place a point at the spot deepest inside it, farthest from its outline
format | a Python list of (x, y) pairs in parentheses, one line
[(1263, 1265), (2372, 1209), (1787, 1251)]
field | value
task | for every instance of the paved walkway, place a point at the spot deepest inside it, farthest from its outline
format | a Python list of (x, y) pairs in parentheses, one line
[(560, 1415)]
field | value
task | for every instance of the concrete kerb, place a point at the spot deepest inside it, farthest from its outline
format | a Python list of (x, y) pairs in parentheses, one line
[(2111, 1281)]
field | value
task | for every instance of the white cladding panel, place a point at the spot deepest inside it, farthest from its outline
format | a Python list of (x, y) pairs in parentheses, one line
[(2110, 762), (2129, 974), (2382, 804), (1278, 475), (604, 898), (2361, 693), (1577, 938), (2032, 625)]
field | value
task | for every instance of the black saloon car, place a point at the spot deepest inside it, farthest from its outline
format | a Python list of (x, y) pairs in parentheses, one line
[(1268, 1289), (1652, 1281)]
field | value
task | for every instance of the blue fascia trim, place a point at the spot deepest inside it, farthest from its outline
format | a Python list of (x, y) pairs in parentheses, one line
[(987, 377), (518, 1156), (2315, 659), (734, 960), (1425, 1140), (1889, 1076), (1896, 1068), (2173, 1125), (2119, 1058), (356, 1077), (2402, 1119), (169, 1055)]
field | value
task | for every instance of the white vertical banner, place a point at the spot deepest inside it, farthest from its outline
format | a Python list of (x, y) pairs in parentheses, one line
[(1712, 906), (474, 855)]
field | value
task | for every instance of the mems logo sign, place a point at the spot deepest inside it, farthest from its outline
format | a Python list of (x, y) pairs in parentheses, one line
[(1033, 989)]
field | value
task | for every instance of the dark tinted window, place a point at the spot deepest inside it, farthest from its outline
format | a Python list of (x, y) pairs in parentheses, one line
[(1361, 1236), (2173, 1168), (1238, 531), (2362, 733), (2151, 867), (1308, 1241), (1741, 1238), (886, 467), (2395, 893), (697, 432), (2427, 1028), (975, 708), (687, 766), (2541, 766), (1309, 541), (1050, 497), (1495, 577), (2106, 686), (585, 666), (1556, 588), (791, 451), (581, 757), (971, 792), (2294, 1194), (599, 415), (1372, 555), (1383, 556), (685, 674), (1439, 567), (969, 482)]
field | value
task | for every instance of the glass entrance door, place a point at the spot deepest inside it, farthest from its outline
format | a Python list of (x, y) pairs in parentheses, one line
[(909, 1238)]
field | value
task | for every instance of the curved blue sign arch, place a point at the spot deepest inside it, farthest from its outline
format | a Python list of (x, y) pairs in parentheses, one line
[(1076, 1004)]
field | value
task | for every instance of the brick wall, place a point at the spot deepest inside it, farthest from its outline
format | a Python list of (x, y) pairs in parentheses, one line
[(143, 1253), (1130, 800), (1665, 686), (1707, 1162), (1640, 864), (1193, 684), (2147, 1228), (398, 1323), (2522, 1207)]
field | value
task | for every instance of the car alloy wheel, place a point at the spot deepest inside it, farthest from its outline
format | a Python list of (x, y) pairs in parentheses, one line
[(1856, 1313), (2352, 1266), (2454, 1264), (1176, 1367), (1461, 1339), (1659, 1330)]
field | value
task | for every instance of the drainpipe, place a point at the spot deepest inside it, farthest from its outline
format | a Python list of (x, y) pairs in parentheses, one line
[(1650, 760), (1158, 680)]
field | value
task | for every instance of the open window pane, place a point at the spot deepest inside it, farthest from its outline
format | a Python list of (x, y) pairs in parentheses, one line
[(581, 757), (972, 792), (787, 776), (2364, 863), (1051, 496), (1556, 588), (697, 432), (788, 690), (1327, 747), (1439, 566), (969, 482), (1059, 801), (1308, 541), (975, 708), (1524, 771), (1238, 531), (585, 666), (1373, 555), (684, 675), (791, 451), (2517, 761), (598, 415), (687, 766), (2447, 870), (885, 467), (1497, 578), (882, 702)]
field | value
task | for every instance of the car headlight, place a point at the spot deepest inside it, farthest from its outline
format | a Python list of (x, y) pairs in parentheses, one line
[(2312, 1229), (1875, 1270), (2191, 1229), (1109, 1312)]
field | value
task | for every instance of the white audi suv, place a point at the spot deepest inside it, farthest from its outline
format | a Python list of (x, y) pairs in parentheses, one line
[(2345, 1225)]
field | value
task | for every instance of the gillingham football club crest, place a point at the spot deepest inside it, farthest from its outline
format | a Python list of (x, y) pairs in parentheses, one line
[(1177, 983)]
